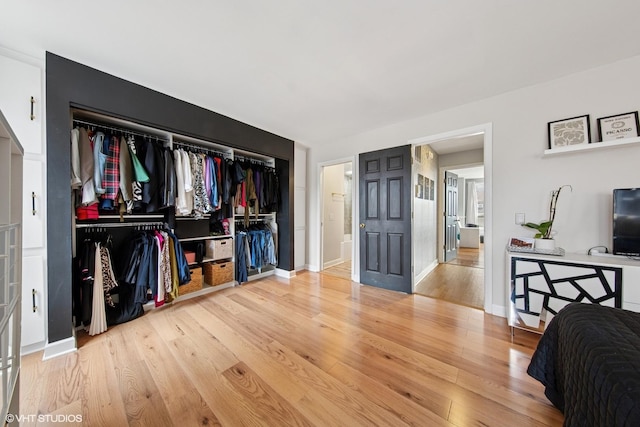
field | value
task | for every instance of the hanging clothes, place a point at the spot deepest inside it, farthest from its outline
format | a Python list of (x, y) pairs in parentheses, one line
[(88, 192), (255, 249), (99, 161), (98, 314), (76, 182), (126, 174)]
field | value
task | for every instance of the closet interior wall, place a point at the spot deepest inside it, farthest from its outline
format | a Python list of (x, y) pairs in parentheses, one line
[(194, 231)]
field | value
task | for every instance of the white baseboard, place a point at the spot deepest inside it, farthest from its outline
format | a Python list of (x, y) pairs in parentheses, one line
[(32, 348), (426, 271), (285, 273), (499, 310), (331, 263), (313, 268), (58, 348)]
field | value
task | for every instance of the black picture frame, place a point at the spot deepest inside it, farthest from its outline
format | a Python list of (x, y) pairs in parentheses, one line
[(619, 126), (569, 132)]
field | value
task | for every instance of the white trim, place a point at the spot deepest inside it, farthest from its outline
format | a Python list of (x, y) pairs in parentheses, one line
[(19, 56), (499, 310), (487, 130), (32, 348), (285, 273), (425, 272), (313, 268), (59, 348), (330, 264)]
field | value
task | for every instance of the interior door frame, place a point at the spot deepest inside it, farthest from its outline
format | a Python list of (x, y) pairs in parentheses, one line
[(355, 212), (487, 130)]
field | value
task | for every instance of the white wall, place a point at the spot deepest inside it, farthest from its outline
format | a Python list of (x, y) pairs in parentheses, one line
[(300, 207), (522, 177), (333, 214), (425, 222)]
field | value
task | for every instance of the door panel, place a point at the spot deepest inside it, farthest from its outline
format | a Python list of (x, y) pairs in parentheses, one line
[(373, 199), (32, 300), (451, 216), (385, 218), (33, 204), (373, 252)]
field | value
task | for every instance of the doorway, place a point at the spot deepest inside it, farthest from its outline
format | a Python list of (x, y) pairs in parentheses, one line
[(466, 154), (337, 220), (460, 277)]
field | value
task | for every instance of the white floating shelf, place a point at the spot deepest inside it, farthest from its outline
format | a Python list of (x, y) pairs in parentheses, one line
[(592, 146)]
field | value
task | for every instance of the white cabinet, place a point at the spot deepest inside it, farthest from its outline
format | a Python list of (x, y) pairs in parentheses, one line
[(33, 218), (21, 101), (541, 285), (631, 288), (21, 82), (32, 301)]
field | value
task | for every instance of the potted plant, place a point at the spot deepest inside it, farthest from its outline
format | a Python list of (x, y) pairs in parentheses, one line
[(543, 237)]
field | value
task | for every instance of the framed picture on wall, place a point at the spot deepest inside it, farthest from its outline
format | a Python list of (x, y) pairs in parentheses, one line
[(573, 131), (426, 188), (420, 189), (619, 126)]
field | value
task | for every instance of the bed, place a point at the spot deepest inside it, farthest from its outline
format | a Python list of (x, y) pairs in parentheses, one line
[(588, 359)]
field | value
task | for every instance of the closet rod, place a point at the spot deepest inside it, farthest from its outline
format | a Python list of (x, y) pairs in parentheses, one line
[(122, 224), (200, 147), (119, 129), (251, 159)]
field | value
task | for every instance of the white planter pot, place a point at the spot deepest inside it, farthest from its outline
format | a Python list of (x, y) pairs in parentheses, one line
[(544, 244)]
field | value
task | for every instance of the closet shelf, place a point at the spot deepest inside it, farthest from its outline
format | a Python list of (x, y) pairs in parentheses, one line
[(592, 146), (205, 260), (194, 239), (206, 289), (262, 215)]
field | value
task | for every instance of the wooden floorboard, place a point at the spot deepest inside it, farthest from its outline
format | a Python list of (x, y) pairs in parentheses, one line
[(460, 281), (315, 350)]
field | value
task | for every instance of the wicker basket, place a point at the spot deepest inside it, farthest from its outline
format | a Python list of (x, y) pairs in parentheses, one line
[(195, 284), (219, 248), (217, 273)]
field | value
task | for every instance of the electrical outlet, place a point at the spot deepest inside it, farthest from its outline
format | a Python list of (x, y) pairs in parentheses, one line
[(519, 218)]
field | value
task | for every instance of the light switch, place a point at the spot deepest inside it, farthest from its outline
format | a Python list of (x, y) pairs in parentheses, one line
[(519, 218)]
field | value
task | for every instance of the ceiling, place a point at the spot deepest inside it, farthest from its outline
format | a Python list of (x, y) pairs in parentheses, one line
[(462, 143), (315, 70)]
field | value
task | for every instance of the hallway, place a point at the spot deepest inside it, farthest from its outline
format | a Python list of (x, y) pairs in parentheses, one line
[(460, 281)]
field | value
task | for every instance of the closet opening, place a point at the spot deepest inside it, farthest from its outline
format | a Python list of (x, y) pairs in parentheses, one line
[(161, 217)]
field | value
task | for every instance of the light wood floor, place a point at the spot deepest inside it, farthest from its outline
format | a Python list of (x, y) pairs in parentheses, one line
[(314, 350), (342, 270), (460, 281)]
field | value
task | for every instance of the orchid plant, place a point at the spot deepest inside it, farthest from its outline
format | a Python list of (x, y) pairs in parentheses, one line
[(544, 228)]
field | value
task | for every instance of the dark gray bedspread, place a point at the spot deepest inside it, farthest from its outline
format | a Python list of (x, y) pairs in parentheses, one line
[(589, 362)]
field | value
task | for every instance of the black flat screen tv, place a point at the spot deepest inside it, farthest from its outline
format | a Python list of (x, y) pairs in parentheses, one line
[(626, 221)]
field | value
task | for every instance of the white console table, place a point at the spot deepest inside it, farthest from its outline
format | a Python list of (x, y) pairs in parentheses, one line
[(541, 285)]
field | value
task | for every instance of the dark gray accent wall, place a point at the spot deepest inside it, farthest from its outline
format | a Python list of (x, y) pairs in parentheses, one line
[(70, 84)]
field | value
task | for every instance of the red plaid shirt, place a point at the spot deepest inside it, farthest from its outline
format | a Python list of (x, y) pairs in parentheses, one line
[(111, 179)]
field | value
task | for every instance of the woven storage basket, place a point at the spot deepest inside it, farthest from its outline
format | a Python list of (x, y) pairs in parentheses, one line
[(219, 248), (217, 273), (195, 284)]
